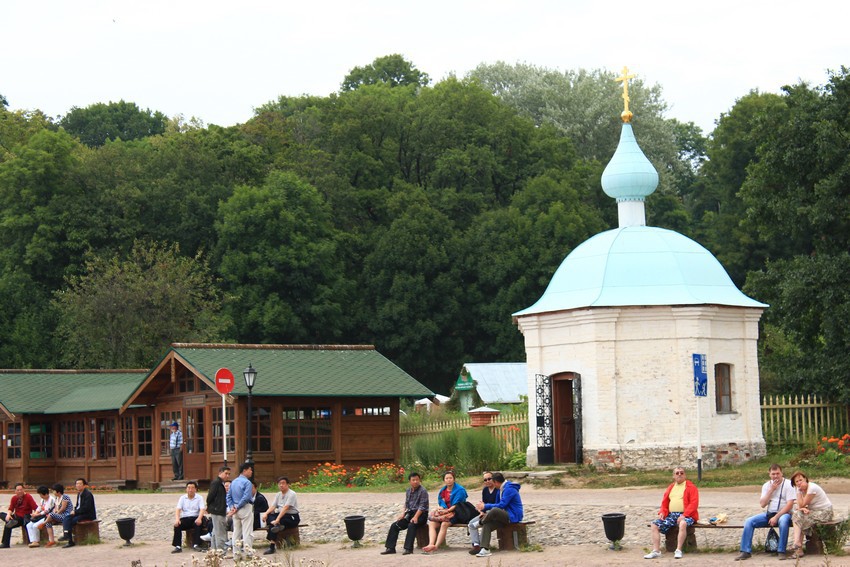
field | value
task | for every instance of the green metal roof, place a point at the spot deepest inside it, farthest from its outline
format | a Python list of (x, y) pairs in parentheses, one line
[(304, 370), (64, 391)]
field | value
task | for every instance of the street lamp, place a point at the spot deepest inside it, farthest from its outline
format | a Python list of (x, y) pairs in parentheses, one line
[(250, 374)]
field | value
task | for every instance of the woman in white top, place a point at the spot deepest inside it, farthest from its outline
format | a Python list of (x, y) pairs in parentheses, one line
[(39, 516), (812, 507)]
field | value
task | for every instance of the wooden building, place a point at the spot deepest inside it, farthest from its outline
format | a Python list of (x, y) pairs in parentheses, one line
[(310, 404)]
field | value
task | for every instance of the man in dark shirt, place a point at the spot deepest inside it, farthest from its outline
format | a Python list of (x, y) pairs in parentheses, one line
[(84, 510), (217, 509), (415, 514), (21, 507), (489, 495)]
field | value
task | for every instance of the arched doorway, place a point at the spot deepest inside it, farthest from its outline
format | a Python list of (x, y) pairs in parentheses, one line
[(566, 413)]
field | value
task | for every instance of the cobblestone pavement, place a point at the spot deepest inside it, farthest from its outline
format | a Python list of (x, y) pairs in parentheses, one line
[(568, 528)]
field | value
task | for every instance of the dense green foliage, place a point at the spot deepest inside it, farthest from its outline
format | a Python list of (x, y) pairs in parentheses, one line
[(411, 216)]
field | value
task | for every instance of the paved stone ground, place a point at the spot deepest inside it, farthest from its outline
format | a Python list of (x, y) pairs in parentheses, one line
[(569, 530)]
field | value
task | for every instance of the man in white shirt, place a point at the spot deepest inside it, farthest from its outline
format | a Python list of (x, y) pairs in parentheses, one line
[(777, 497), (188, 516)]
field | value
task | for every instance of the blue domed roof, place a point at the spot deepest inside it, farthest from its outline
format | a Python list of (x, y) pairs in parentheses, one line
[(639, 265)]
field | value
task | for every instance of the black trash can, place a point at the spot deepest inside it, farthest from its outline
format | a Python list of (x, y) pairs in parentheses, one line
[(615, 528), (355, 527), (126, 529)]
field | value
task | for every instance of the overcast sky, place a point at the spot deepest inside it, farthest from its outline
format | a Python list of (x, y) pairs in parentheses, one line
[(218, 61)]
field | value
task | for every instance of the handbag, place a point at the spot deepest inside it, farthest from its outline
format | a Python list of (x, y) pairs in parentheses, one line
[(771, 544), (464, 512)]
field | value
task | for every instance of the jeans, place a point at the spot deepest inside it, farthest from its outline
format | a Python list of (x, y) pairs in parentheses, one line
[(474, 535), (760, 521)]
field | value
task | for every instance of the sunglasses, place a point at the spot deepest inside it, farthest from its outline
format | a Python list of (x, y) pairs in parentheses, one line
[(486, 478)]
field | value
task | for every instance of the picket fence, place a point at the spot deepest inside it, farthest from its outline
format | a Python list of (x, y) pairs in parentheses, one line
[(510, 429), (802, 420), (786, 421)]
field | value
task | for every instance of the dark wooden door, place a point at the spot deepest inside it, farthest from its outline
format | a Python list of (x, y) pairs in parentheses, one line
[(565, 426)]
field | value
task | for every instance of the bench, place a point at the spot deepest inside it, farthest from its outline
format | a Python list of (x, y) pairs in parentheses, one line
[(814, 544), (511, 536), (87, 531), (289, 536)]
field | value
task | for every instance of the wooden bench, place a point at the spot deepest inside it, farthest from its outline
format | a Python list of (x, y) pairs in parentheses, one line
[(289, 537), (814, 544), (511, 536), (85, 529)]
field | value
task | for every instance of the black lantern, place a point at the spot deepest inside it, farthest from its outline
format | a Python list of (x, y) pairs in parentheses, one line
[(250, 375)]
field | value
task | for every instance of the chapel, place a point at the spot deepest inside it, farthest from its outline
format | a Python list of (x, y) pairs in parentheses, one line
[(612, 343)]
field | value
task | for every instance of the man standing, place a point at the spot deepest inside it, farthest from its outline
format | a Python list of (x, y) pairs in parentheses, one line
[(175, 443), (188, 516), (284, 509), (508, 510), (777, 495), (678, 508), (414, 514), (217, 509), (84, 510), (489, 495), (21, 507), (242, 511)]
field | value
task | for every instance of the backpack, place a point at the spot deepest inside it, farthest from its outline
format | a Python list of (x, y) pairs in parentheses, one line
[(771, 544)]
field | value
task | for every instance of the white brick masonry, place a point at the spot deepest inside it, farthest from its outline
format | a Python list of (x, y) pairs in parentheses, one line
[(635, 363)]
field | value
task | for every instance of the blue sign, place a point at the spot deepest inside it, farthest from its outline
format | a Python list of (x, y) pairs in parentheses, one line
[(700, 376)]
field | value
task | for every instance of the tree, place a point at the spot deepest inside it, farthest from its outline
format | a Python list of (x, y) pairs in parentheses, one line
[(99, 122), (414, 283), (714, 197), (123, 312), (393, 70), (797, 194), (278, 257), (586, 105)]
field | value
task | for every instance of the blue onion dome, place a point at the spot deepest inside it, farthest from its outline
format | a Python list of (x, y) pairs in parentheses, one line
[(629, 176)]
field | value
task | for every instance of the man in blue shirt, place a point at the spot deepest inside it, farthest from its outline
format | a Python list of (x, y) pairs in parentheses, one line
[(175, 444), (240, 507)]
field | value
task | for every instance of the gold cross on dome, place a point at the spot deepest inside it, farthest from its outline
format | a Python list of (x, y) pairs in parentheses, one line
[(624, 78)]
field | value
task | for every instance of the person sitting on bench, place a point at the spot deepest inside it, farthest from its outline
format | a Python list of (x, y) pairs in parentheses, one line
[(678, 508), (189, 517), (18, 514), (84, 511), (283, 510), (508, 510), (778, 496)]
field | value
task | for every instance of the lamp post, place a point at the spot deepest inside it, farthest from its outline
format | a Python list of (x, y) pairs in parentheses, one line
[(250, 374)]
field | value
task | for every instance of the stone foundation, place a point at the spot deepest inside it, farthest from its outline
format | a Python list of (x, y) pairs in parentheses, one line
[(650, 458)]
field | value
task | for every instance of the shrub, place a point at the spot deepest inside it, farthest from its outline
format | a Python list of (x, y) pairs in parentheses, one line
[(378, 475), (432, 451), (516, 461), (478, 451)]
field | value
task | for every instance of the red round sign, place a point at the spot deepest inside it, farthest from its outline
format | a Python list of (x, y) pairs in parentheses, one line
[(224, 381)]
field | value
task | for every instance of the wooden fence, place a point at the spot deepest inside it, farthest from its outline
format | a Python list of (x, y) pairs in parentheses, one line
[(510, 429), (801, 420)]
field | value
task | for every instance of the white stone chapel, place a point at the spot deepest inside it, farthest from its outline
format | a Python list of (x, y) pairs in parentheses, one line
[(610, 344)]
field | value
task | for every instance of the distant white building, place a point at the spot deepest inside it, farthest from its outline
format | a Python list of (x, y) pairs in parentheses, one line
[(610, 345), (425, 404), (492, 382)]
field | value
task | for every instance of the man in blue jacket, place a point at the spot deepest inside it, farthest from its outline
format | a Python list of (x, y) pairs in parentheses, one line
[(507, 510)]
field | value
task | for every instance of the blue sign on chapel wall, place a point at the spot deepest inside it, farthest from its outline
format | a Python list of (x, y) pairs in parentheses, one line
[(700, 376)]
